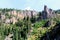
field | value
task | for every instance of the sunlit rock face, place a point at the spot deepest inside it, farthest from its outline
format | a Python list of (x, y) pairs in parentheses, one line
[(13, 20), (7, 21), (2, 17), (8, 37), (23, 13)]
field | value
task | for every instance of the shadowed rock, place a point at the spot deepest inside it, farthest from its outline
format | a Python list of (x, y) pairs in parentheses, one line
[(54, 34)]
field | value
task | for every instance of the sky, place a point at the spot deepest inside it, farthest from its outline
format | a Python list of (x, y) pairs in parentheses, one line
[(30, 4)]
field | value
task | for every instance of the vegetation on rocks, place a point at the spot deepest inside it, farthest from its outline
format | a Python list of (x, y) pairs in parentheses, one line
[(25, 29)]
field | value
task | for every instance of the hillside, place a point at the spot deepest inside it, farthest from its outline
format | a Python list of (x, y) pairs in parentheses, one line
[(29, 24)]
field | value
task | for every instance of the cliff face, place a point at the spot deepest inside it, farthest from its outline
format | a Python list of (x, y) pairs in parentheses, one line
[(47, 13), (23, 13), (15, 15)]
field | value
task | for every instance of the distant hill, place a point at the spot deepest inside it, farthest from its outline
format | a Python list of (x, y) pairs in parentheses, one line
[(57, 11)]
